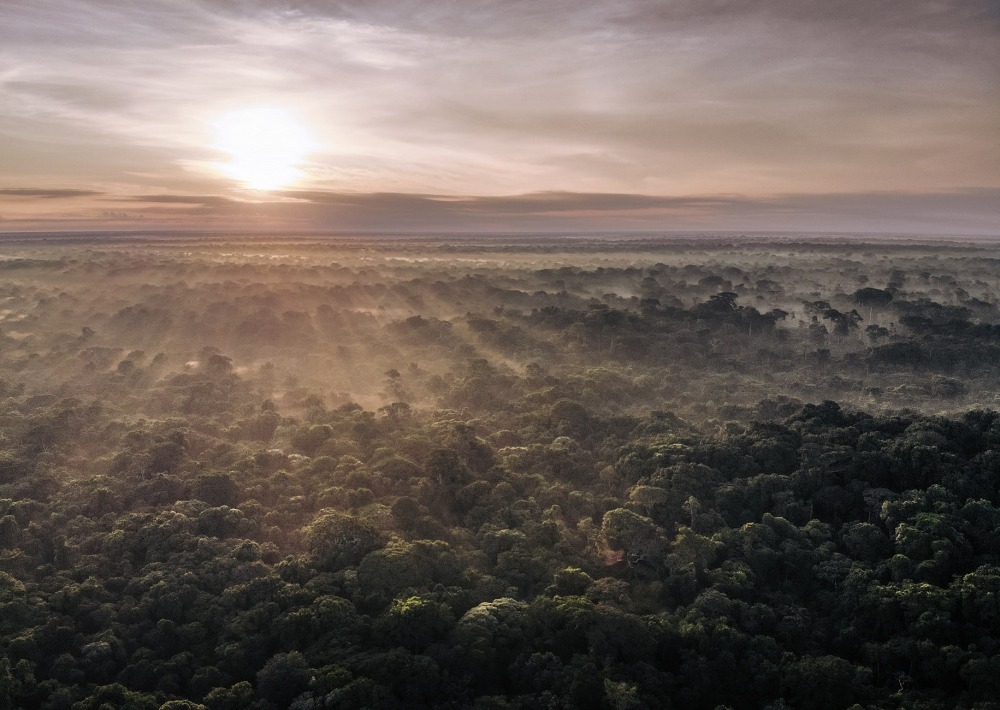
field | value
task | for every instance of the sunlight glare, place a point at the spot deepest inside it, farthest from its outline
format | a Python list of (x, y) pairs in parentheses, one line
[(266, 146)]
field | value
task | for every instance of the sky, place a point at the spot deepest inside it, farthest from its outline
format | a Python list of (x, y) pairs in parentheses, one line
[(501, 115)]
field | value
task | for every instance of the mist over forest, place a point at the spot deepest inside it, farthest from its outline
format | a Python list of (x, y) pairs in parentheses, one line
[(499, 472)]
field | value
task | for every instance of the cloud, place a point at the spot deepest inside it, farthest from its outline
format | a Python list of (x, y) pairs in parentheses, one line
[(967, 211), (45, 193), (510, 97), (118, 215), (197, 200), (527, 204), (555, 202)]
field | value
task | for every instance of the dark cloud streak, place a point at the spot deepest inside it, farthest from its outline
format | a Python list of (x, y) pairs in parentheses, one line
[(967, 211), (199, 200), (45, 193)]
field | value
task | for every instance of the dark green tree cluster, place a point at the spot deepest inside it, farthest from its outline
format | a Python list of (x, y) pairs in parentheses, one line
[(832, 559)]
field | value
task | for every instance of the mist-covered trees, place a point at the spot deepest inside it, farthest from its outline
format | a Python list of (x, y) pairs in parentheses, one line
[(326, 477)]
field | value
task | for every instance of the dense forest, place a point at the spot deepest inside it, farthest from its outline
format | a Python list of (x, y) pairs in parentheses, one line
[(499, 472)]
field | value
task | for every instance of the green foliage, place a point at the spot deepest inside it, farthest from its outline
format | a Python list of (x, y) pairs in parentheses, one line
[(414, 622), (283, 677), (339, 540), (577, 480), (403, 566)]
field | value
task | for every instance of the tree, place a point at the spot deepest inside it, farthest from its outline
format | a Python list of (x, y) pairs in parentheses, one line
[(7, 687), (823, 683), (415, 622), (216, 489), (692, 507), (340, 540), (642, 540), (402, 566), (489, 635), (692, 552), (872, 297), (219, 364), (237, 697), (283, 677)]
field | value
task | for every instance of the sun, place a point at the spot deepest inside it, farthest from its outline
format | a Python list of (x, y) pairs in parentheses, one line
[(266, 147)]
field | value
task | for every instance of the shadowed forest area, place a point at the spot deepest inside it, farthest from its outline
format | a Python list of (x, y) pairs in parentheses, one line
[(499, 472)]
